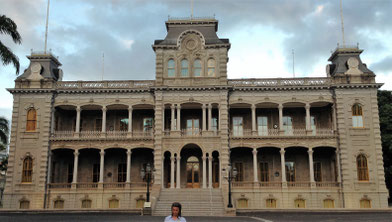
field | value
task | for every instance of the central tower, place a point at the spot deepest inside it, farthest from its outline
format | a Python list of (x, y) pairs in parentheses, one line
[(191, 54)]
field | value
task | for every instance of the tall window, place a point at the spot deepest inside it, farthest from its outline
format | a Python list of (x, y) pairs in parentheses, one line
[(147, 124), (264, 175), (124, 124), (70, 173), (237, 126), (290, 171), (95, 173), (214, 124), (98, 125), (288, 125), (317, 171), (357, 115), (197, 67), (240, 171), (184, 68), (192, 126), (211, 67), (362, 168), (122, 172), (27, 170), (262, 125), (171, 71), (31, 120)]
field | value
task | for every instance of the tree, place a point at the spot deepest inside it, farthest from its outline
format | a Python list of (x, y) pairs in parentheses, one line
[(8, 27), (385, 112), (4, 132)]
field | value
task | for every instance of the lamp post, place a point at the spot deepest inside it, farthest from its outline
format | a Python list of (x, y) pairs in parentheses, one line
[(231, 174), (147, 174)]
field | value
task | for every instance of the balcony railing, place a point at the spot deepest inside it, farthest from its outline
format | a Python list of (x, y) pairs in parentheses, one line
[(191, 132), (111, 185), (298, 184), (87, 185), (92, 134), (286, 132), (118, 185), (281, 82), (327, 184), (272, 184), (104, 84), (60, 185)]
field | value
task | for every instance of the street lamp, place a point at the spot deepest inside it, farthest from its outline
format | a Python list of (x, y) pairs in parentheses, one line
[(231, 174), (148, 175)]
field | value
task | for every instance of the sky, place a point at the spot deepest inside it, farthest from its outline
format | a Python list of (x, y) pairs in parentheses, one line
[(263, 35)]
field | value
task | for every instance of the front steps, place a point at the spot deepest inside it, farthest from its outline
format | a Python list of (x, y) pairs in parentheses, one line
[(195, 202)]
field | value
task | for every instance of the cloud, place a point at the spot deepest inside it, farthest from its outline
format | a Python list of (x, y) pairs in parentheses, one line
[(384, 65)]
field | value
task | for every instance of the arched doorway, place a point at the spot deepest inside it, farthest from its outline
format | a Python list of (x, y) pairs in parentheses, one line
[(192, 172)]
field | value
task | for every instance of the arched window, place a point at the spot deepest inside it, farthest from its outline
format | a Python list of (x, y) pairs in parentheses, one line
[(197, 67), (270, 203), (184, 68), (27, 171), (58, 204), (171, 70), (357, 115), (113, 203), (329, 203), (24, 204), (86, 203), (211, 67), (31, 123), (362, 168), (365, 203)]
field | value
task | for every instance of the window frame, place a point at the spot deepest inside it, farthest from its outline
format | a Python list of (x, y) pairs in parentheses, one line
[(264, 171), (169, 68), (27, 170), (211, 67), (290, 178), (357, 115), (362, 168), (200, 68), (31, 120), (184, 68)]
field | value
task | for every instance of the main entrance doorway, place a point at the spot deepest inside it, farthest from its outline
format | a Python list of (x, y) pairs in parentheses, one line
[(192, 172)]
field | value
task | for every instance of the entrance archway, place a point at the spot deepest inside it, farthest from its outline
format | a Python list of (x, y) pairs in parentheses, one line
[(192, 172)]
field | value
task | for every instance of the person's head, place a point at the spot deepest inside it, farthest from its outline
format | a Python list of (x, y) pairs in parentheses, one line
[(176, 209)]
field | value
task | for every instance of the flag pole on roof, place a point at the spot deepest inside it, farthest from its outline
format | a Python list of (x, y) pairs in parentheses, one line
[(47, 24)]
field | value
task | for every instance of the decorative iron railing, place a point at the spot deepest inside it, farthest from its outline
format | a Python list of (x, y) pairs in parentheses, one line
[(104, 84), (281, 82)]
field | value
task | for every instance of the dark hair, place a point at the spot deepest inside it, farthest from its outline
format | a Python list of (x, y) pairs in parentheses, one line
[(176, 204)]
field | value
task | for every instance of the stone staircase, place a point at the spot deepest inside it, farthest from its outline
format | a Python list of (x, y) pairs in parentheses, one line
[(195, 202)]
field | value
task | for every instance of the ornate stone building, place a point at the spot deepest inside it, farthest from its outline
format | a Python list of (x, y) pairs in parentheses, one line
[(294, 142)]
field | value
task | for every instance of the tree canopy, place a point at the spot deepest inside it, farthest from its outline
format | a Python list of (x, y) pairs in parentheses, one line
[(8, 27)]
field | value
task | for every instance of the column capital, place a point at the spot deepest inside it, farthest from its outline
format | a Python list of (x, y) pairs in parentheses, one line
[(209, 105), (129, 152), (307, 106), (204, 158), (172, 158), (130, 108), (282, 151), (280, 106), (172, 106), (254, 151), (253, 106), (310, 151), (104, 109), (178, 158), (76, 153), (204, 106), (178, 106), (78, 109), (102, 153), (210, 158)]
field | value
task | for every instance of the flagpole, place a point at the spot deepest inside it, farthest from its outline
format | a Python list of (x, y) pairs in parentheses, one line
[(46, 31)]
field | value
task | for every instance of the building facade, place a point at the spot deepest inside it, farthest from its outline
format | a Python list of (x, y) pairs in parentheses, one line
[(293, 142)]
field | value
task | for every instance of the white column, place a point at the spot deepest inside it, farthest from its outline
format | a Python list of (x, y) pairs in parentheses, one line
[(172, 172), (311, 171), (130, 110), (204, 117), (339, 177), (129, 152), (255, 173), (209, 117), (204, 171), (78, 111), (334, 117), (172, 107), (75, 168), (178, 117), (280, 107), (283, 165), (210, 171), (253, 108), (101, 166), (307, 108), (104, 119), (178, 172)]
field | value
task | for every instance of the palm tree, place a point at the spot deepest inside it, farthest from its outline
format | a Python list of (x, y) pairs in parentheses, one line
[(8, 27), (4, 132)]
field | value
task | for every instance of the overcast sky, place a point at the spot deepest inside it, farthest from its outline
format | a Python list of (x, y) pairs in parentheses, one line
[(262, 33)]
